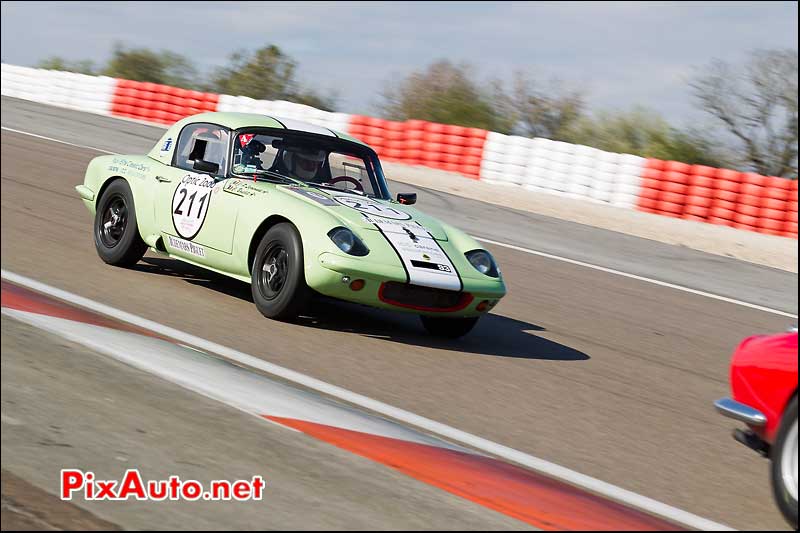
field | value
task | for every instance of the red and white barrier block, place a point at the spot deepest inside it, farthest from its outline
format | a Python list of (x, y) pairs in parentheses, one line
[(745, 201), (62, 89)]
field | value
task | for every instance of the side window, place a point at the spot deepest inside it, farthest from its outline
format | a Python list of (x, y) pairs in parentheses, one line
[(206, 142)]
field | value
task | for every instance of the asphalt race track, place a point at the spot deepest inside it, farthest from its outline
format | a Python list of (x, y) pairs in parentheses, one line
[(607, 375)]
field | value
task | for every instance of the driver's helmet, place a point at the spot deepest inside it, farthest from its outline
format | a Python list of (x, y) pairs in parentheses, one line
[(251, 153), (303, 162)]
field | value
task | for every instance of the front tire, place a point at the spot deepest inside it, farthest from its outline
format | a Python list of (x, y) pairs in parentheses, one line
[(450, 328), (116, 233), (784, 464), (277, 279)]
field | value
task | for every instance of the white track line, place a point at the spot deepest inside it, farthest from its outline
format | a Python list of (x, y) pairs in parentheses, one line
[(534, 252), (640, 278), (12, 130), (540, 465)]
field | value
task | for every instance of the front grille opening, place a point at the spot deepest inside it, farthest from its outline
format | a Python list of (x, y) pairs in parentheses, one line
[(423, 298)]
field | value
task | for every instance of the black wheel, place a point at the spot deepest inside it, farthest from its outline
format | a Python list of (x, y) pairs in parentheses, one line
[(784, 464), (278, 281), (451, 328), (116, 234)]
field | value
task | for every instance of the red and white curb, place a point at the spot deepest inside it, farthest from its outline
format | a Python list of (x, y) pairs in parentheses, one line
[(541, 498)]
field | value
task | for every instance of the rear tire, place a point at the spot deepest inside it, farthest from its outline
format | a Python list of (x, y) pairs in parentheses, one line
[(116, 233), (450, 328), (277, 279), (784, 464)]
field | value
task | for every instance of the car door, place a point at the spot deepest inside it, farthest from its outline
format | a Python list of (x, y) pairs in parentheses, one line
[(193, 212)]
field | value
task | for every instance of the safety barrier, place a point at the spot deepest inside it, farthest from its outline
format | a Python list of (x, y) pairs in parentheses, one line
[(63, 89), (418, 142), (159, 103), (282, 108), (741, 200), (563, 169)]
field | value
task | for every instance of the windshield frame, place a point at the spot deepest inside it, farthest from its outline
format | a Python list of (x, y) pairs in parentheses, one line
[(334, 144)]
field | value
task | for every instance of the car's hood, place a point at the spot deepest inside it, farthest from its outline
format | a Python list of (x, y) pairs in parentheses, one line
[(357, 210)]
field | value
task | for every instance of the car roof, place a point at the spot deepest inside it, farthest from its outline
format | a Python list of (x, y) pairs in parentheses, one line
[(162, 151), (236, 121)]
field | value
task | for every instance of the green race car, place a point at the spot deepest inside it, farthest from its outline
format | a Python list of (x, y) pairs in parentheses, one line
[(291, 208)]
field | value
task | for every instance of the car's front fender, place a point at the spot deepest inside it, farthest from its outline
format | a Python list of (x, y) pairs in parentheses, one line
[(763, 376), (261, 211)]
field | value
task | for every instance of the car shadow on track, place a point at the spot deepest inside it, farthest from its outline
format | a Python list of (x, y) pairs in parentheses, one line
[(495, 335)]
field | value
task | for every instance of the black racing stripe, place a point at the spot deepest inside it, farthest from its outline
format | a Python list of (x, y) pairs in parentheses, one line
[(400, 257), (460, 281)]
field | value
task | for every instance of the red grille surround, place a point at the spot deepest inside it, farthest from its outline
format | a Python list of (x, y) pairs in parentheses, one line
[(423, 298)]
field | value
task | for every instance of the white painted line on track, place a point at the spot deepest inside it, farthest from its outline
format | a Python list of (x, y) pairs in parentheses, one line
[(12, 130), (534, 252), (540, 465), (636, 277)]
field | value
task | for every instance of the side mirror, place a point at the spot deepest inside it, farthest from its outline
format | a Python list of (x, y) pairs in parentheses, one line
[(205, 166), (407, 198)]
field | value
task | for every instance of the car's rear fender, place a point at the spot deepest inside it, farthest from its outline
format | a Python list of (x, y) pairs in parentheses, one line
[(105, 169)]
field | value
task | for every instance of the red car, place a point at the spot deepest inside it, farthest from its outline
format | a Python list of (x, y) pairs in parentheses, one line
[(764, 385)]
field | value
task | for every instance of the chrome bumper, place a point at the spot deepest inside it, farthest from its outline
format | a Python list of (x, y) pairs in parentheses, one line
[(741, 412)]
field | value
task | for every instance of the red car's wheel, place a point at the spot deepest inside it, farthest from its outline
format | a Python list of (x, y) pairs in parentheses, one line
[(784, 464)]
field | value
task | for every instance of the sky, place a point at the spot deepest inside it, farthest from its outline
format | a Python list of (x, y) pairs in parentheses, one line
[(621, 54)]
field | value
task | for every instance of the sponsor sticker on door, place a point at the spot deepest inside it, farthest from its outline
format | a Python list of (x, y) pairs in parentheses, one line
[(186, 246), (190, 204)]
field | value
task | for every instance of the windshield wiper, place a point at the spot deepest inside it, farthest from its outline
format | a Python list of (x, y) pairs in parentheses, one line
[(332, 187), (273, 174), (287, 179)]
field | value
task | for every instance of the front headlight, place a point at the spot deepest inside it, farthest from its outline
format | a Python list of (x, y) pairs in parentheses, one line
[(347, 241), (483, 262)]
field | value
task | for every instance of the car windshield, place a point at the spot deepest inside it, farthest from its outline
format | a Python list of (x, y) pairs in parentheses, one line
[(317, 161)]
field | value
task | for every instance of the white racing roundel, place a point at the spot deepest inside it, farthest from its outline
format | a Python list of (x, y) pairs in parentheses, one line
[(190, 204), (372, 208)]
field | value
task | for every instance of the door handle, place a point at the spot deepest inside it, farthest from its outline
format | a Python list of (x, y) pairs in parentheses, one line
[(162, 179)]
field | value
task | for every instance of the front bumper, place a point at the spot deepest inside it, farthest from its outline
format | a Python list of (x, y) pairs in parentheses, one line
[(738, 411), (85, 192), (326, 277), (754, 418)]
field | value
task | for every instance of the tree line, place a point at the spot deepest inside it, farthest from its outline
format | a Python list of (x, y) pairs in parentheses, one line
[(264, 74), (752, 106)]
